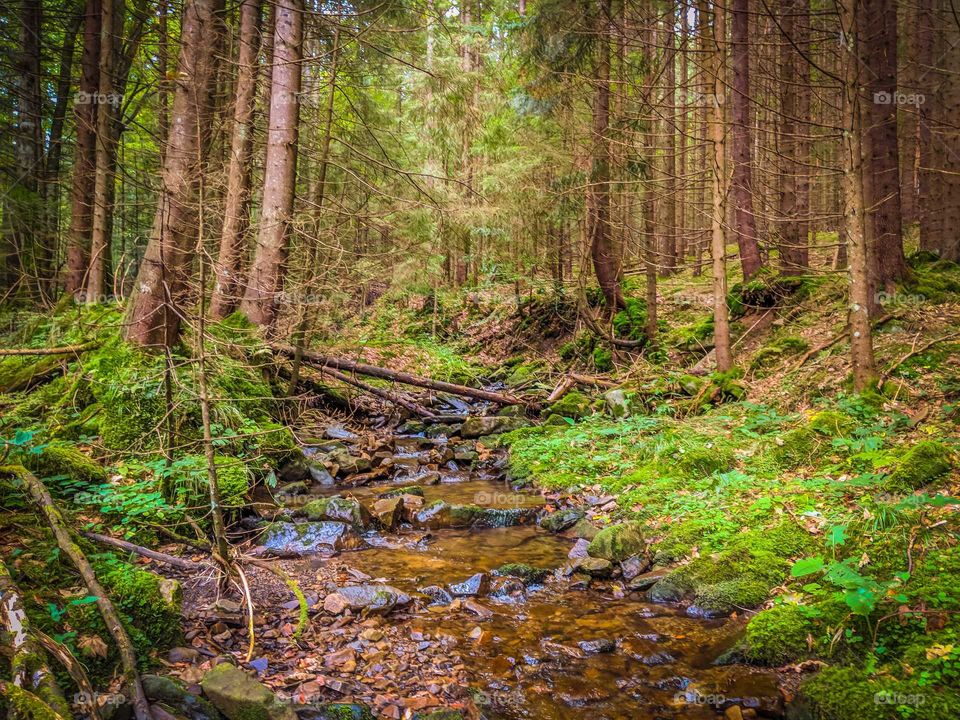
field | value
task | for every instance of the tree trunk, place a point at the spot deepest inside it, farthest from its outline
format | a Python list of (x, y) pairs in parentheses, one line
[(882, 172), (861, 340), (160, 291), (84, 111), (669, 239), (718, 250), (602, 252), (226, 290), (265, 281), (793, 247), (745, 224), (110, 32)]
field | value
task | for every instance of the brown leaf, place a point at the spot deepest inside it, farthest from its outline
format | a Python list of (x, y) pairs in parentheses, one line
[(93, 646)]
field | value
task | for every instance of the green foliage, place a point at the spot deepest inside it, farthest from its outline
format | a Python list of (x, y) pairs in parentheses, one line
[(629, 322), (775, 351), (602, 359), (68, 468)]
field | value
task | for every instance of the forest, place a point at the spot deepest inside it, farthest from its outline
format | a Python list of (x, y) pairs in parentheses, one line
[(479, 359)]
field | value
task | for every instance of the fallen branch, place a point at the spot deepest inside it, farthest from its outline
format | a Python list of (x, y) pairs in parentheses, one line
[(394, 398), (593, 380), (75, 670), (68, 547), (65, 350), (28, 661), (833, 341), (177, 562), (326, 361), (916, 351), (563, 387)]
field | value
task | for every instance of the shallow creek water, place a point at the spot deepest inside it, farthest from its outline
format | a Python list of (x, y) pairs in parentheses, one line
[(527, 662)]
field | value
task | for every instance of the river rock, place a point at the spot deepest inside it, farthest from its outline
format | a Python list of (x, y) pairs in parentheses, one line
[(529, 574), (507, 589), (474, 585), (601, 645), (284, 539), (405, 490), (592, 566), (634, 566), (411, 505), (465, 452), (561, 519), (372, 598), (319, 474), (479, 426), (337, 508), (347, 463), (240, 697), (339, 432), (387, 512), (647, 580), (583, 529), (618, 542), (175, 696), (579, 549), (438, 595)]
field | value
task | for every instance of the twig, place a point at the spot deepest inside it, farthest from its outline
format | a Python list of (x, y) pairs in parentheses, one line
[(74, 669), (249, 602), (916, 351), (65, 350), (290, 582)]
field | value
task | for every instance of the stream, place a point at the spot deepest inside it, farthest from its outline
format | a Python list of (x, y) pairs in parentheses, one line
[(547, 648)]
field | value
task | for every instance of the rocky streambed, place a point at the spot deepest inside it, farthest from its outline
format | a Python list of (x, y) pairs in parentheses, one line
[(434, 586)]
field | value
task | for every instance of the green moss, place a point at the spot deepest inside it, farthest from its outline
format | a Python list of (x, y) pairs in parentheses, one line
[(55, 460), (842, 693), (19, 373), (830, 423), (151, 602), (779, 635), (189, 480), (775, 351), (922, 464), (573, 405), (629, 322), (730, 596), (602, 359), (19, 704), (704, 460), (796, 447), (524, 373), (337, 508), (527, 573), (618, 542)]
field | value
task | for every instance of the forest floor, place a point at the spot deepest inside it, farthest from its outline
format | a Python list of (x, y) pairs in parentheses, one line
[(661, 541)]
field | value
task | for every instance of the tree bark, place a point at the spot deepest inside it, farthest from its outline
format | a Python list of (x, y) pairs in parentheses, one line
[(265, 281), (745, 223), (602, 252), (861, 339), (236, 212), (882, 171), (84, 111), (718, 249), (161, 288)]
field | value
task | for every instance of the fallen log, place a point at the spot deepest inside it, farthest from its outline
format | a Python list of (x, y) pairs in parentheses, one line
[(28, 661), (390, 397), (54, 518), (320, 360)]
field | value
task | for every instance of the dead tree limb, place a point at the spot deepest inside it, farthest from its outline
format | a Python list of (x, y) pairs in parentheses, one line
[(394, 398), (28, 661), (326, 361), (916, 351), (75, 670), (177, 562), (16, 696), (65, 350), (111, 618), (834, 340)]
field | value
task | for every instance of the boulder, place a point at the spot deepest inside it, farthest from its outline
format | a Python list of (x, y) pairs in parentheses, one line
[(437, 594), (592, 566), (601, 645), (347, 463), (478, 426), (387, 512), (617, 403), (240, 697), (285, 539), (633, 566), (337, 508), (527, 573), (174, 695), (319, 474), (618, 542), (561, 519), (372, 598)]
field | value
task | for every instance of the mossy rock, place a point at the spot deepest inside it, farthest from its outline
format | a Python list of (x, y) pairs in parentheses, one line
[(779, 635), (773, 352), (152, 602), (796, 447), (574, 405), (730, 596), (524, 373), (240, 697), (701, 461), (53, 460), (337, 508), (618, 542), (920, 465), (602, 359), (20, 373)]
